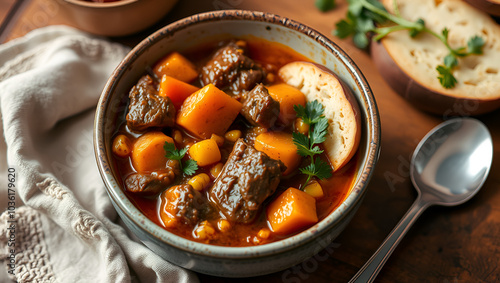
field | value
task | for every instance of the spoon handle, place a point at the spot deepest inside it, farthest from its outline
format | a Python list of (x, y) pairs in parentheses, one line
[(373, 266)]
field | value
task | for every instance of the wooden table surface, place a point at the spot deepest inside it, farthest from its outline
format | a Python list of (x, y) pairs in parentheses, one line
[(447, 244)]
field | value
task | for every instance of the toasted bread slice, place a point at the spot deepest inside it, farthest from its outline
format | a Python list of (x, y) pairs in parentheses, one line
[(341, 107), (409, 64)]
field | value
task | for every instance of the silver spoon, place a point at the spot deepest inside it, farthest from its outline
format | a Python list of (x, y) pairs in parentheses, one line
[(448, 167)]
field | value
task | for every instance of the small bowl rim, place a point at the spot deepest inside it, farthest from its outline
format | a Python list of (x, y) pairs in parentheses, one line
[(98, 5), (355, 196)]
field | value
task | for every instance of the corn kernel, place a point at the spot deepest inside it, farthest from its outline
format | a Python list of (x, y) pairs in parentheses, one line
[(270, 77), (178, 138), (199, 182), (204, 231), (233, 136), (223, 225), (301, 127), (121, 146), (314, 189), (264, 233), (216, 169), (218, 139)]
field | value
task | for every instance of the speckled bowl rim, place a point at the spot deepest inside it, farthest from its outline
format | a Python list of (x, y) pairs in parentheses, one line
[(324, 226)]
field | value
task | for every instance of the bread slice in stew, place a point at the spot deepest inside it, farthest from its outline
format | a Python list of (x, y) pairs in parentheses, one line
[(341, 108)]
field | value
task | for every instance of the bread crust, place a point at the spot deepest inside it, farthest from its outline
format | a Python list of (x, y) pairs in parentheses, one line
[(491, 7), (341, 107)]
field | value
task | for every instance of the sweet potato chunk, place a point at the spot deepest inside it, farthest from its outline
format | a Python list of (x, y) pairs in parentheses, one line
[(280, 146), (208, 111), (176, 90), (148, 154), (287, 96), (292, 211), (177, 66)]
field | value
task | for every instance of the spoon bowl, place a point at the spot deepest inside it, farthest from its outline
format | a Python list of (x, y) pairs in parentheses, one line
[(452, 161), (448, 167)]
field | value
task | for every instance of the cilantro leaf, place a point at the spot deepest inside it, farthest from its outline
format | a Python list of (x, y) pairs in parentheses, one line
[(416, 30), (450, 61), (445, 33), (445, 77), (361, 41), (325, 5), (307, 145), (344, 29), (318, 168), (311, 113), (301, 141), (188, 167), (475, 45), (318, 134)]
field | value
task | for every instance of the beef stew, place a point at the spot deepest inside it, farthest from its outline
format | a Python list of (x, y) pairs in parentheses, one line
[(215, 184)]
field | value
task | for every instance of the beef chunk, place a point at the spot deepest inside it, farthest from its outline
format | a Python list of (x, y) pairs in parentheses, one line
[(246, 180), (259, 108), (185, 205), (148, 109), (150, 184), (229, 67)]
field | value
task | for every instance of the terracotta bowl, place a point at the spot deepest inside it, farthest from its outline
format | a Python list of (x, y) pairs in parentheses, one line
[(199, 29), (118, 18)]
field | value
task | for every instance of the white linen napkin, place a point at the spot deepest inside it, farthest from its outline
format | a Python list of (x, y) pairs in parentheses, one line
[(63, 227)]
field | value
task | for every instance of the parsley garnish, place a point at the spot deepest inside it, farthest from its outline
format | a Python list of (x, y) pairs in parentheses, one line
[(325, 5), (361, 20), (307, 145), (188, 167)]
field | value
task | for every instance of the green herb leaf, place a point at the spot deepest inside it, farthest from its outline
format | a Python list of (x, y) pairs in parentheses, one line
[(475, 45), (344, 29), (416, 30), (307, 146), (318, 168), (445, 33), (188, 167), (311, 113), (369, 17), (172, 153), (445, 77), (450, 61), (319, 132), (325, 5), (301, 141)]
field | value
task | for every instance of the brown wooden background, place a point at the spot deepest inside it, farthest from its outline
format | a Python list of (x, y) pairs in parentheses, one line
[(458, 244)]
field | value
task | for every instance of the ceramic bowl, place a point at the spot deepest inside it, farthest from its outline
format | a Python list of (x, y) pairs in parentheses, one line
[(118, 18), (196, 30)]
